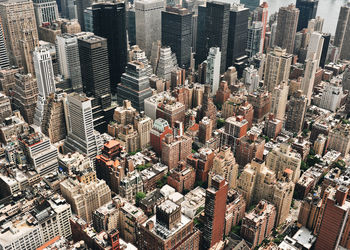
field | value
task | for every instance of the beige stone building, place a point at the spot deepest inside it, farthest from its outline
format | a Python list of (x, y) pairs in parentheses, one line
[(281, 158), (25, 96), (21, 32), (257, 182), (339, 139), (85, 198), (7, 79), (279, 99), (224, 164), (277, 68), (143, 125)]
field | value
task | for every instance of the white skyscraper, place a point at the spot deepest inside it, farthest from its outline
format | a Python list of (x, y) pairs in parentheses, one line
[(68, 57), (308, 81), (251, 79), (4, 58), (331, 95), (279, 99), (45, 80), (213, 69), (81, 134), (45, 11), (148, 23), (314, 50)]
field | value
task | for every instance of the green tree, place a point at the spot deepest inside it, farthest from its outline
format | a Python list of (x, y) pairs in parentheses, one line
[(220, 123), (139, 196)]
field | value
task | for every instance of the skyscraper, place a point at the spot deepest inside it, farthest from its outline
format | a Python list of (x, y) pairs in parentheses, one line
[(260, 14), (4, 58), (45, 80), (277, 68), (296, 112), (81, 134), (45, 11), (94, 66), (177, 33), (21, 33), (251, 4), (67, 52), (237, 34), (254, 38), (342, 33), (334, 229), (314, 49), (213, 69), (215, 208), (109, 21), (134, 84), (308, 81), (148, 23), (279, 99), (213, 30), (308, 9), (326, 41), (81, 6), (286, 27)]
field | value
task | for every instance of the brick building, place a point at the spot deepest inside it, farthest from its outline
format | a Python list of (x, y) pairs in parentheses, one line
[(159, 130), (182, 177)]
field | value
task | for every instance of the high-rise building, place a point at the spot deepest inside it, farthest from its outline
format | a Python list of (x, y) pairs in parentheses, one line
[(159, 130), (40, 153), (205, 130), (25, 95), (334, 229), (261, 102), (314, 49), (279, 99), (53, 122), (251, 4), (81, 134), (21, 33), (346, 79), (165, 63), (131, 25), (286, 27), (5, 107), (213, 69), (237, 33), (168, 228), (326, 43), (214, 210), (331, 96), (88, 20), (258, 223), (177, 33), (342, 33), (4, 58), (213, 30), (93, 54), (277, 68), (68, 9), (143, 124), (283, 157), (260, 14), (251, 78), (339, 139), (81, 5), (308, 81), (67, 52), (109, 21), (296, 112), (85, 198), (308, 9), (45, 80), (46, 11), (134, 84), (148, 23), (254, 38), (224, 164)]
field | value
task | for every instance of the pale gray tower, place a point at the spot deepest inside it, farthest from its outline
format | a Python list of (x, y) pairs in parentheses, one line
[(67, 52), (148, 23), (45, 11), (45, 80), (81, 134), (342, 33)]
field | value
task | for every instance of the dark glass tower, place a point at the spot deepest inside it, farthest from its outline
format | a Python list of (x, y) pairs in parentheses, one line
[(110, 23), (326, 41), (177, 33), (308, 9), (213, 24), (94, 67), (134, 84), (238, 33), (251, 4)]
